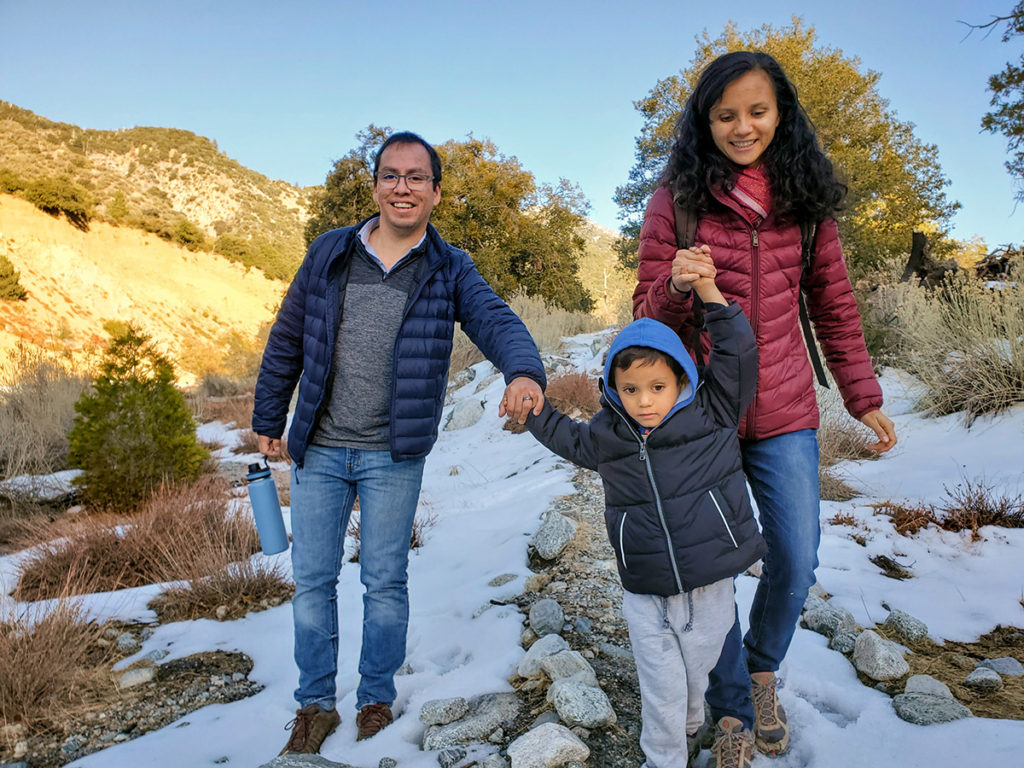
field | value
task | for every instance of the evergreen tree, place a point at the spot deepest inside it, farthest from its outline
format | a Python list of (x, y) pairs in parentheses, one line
[(10, 288), (895, 182), (133, 430), (1007, 87)]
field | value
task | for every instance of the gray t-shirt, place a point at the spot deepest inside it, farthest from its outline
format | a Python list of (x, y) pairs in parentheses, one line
[(358, 410)]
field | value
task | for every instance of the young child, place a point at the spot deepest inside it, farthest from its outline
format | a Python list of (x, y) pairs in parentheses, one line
[(665, 444)]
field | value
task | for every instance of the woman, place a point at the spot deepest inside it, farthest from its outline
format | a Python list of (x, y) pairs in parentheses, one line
[(746, 160)]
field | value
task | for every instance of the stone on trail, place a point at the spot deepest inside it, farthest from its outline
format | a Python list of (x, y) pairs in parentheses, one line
[(443, 711), (1004, 665), (547, 746), (466, 413), (878, 658), (529, 665), (906, 626), (553, 536), (927, 684), (486, 713), (984, 679), (927, 708), (293, 760), (568, 664), (829, 620), (580, 704), (546, 617)]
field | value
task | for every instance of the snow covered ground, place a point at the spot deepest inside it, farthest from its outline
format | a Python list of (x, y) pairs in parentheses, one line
[(488, 489)]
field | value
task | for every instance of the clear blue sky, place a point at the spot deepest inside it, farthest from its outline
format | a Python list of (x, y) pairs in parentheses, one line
[(283, 87)]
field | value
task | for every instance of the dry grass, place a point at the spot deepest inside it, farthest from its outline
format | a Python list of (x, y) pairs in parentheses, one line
[(549, 325), (38, 392), (182, 533), (53, 664), (236, 410), (248, 442), (230, 593), (574, 394), (840, 438), (971, 505), (840, 518), (964, 341), (464, 353)]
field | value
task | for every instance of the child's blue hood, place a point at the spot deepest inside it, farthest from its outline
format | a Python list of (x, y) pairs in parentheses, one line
[(646, 332)]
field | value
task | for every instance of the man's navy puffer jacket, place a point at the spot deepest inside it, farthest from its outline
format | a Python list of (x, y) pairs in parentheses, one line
[(448, 290)]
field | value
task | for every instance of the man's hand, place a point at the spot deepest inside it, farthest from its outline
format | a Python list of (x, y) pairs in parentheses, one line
[(522, 395), (271, 447), (689, 266), (883, 427)]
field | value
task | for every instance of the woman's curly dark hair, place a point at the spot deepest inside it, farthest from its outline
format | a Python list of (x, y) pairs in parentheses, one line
[(804, 184)]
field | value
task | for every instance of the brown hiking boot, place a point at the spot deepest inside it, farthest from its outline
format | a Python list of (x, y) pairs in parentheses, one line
[(734, 745), (309, 729), (771, 727), (372, 719)]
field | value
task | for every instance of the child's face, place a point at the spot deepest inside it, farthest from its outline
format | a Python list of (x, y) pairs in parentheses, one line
[(647, 390)]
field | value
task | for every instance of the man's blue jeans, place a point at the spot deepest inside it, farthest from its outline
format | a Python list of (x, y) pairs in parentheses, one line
[(323, 491), (783, 476)]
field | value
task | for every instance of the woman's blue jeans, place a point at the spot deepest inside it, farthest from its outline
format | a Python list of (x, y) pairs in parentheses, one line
[(323, 491), (783, 476)]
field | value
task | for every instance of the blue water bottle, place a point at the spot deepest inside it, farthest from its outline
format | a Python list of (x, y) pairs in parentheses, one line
[(266, 509)]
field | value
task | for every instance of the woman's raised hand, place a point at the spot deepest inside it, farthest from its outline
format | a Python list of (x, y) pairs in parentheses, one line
[(690, 265)]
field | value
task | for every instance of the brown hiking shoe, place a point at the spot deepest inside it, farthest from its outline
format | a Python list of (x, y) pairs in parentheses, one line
[(372, 719), (309, 729), (771, 727), (734, 745)]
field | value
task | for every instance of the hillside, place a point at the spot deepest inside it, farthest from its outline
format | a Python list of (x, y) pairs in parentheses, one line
[(193, 304), (154, 178)]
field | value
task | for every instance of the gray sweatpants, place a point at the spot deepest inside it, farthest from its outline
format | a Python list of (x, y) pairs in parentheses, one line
[(676, 642)]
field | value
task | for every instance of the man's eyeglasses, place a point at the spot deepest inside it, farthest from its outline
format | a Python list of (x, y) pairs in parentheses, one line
[(412, 180)]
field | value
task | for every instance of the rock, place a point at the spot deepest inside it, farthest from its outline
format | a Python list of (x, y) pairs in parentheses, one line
[(448, 758), (501, 580), (814, 603), (221, 612), (127, 644), (137, 676), (927, 684), (494, 761), (553, 536), (580, 704), (528, 638), (583, 626), (927, 708), (829, 620), (497, 737), (550, 716), (608, 649), (529, 665), (405, 669), (843, 641), (293, 760), (568, 664), (486, 713), (546, 617), (984, 679), (157, 654), (818, 591), (443, 711), (878, 658), (1004, 665), (906, 626), (464, 414), (387, 762), (547, 746)]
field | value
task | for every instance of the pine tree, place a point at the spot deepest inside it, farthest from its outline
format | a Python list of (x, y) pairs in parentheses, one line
[(133, 430)]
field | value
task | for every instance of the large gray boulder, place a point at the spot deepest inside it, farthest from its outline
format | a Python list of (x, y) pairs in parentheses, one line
[(553, 536), (529, 665), (580, 704), (829, 620), (443, 711), (927, 684), (878, 658), (486, 714), (984, 679), (1006, 666), (906, 626), (568, 664), (547, 746), (546, 617)]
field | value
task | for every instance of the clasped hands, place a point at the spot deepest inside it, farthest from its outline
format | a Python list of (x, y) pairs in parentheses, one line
[(690, 266)]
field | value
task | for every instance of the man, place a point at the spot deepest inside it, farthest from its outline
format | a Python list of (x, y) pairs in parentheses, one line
[(366, 331)]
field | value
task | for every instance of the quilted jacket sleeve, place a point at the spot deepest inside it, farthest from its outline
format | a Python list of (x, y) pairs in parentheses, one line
[(570, 439), (730, 377), (833, 310), (493, 326), (282, 358), (652, 297)]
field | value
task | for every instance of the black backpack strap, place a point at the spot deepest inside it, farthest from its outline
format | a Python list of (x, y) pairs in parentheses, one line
[(808, 231), (686, 233)]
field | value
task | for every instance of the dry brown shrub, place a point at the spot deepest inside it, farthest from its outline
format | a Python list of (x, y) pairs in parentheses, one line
[(973, 504), (574, 394), (181, 533), (38, 392), (239, 588), (235, 410), (906, 519), (53, 664), (248, 442), (831, 487), (841, 518), (840, 436)]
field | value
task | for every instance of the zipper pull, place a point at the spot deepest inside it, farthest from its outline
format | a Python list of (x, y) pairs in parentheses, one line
[(643, 448), (753, 237)]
